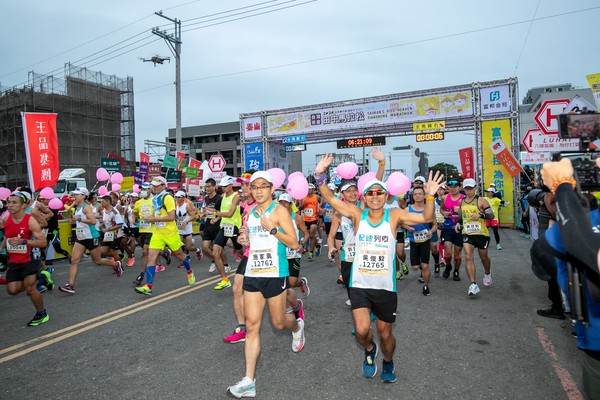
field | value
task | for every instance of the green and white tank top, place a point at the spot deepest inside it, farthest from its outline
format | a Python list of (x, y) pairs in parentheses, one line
[(374, 266), (348, 239), (84, 231), (267, 257)]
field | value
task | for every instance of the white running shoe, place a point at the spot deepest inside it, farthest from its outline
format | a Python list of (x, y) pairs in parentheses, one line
[(487, 279), (227, 268), (244, 388), (348, 303), (498, 247), (212, 268), (473, 289), (298, 337)]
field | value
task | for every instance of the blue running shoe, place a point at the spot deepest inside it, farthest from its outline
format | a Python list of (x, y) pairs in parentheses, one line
[(388, 373), (369, 365)]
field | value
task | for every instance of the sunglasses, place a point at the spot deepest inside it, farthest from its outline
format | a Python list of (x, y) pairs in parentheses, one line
[(468, 188), (452, 183), (375, 192)]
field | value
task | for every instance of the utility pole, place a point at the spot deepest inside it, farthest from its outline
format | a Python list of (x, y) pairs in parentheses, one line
[(174, 42)]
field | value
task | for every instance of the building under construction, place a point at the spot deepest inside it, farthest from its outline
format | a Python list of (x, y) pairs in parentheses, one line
[(95, 119)]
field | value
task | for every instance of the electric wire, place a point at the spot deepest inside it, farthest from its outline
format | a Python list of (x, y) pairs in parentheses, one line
[(526, 37)]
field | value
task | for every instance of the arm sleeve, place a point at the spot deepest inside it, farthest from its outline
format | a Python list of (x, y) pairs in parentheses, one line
[(575, 227)]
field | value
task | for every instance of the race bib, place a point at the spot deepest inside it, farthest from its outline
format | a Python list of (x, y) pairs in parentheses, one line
[(145, 225), (308, 212), (109, 236), (421, 236), (160, 225), (179, 223), (291, 253), (329, 213), (350, 251), (261, 262), (18, 249), (373, 262), (45, 231), (228, 229), (472, 228), (79, 233)]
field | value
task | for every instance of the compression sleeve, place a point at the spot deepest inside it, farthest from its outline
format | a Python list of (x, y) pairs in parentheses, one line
[(575, 227)]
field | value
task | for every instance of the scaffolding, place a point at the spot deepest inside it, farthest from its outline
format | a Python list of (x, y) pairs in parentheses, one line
[(95, 118)]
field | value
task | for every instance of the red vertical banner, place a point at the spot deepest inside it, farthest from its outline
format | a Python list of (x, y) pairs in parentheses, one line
[(144, 158), (506, 158), (180, 157), (467, 162), (41, 148), (193, 163)]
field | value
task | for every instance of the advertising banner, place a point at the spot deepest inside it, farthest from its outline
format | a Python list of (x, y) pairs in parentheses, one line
[(173, 176), (191, 172), (594, 82), (41, 149), (193, 187), (506, 158), (253, 154), (127, 184), (154, 170), (110, 164), (467, 162), (193, 163), (494, 99), (143, 170), (368, 114), (252, 127), (144, 158), (170, 161), (493, 171)]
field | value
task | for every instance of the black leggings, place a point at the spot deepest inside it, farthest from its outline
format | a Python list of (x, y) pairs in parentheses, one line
[(496, 235)]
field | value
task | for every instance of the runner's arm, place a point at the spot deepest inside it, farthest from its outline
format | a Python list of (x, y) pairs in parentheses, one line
[(234, 204), (39, 239)]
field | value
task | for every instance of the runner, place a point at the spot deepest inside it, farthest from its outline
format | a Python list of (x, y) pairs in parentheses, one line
[(112, 231), (212, 225), (165, 234), (420, 237), (186, 213), (437, 246), (453, 241), (142, 210), (87, 238), (231, 221), (495, 203), (310, 206), (474, 211), (22, 232), (270, 231), (132, 229), (372, 280)]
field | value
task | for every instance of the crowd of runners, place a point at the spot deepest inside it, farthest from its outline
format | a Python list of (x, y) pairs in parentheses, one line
[(267, 234)]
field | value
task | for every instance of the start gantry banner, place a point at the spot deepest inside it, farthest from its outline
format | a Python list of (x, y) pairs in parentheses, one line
[(375, 113), (41, 148)]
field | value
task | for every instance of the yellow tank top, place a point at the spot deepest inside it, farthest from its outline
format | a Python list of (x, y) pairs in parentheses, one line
[(226, 204), (470, 227)]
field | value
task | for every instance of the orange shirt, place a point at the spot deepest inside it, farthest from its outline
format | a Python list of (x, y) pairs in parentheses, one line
[(309, 213)]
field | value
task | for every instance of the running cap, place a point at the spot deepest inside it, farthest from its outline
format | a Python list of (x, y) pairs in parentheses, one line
[(158, 180), (491, 189), (374, 182), (134, 194), (420, 179), (145, 185), (226, 181), (81, 190), (347, 186), (180, 193), (312, 186), (285, 197), (261, 174), (245, 178), (469, 183)]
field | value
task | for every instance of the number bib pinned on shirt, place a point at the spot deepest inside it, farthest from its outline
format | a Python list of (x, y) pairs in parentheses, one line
[(350, 251), (18, 249), (109, 236), (421, 236), (373, 262), (261, 262), (228, 230), (472, 228)]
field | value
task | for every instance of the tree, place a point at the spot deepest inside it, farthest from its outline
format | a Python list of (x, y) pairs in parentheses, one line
[(449, 170)]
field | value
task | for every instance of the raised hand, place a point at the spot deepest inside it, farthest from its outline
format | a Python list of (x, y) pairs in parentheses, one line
[(378, 154), (324, 164), (433, 183)]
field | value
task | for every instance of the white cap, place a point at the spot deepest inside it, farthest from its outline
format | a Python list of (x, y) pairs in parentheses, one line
[(469, 183), (180, 193), (285, 197), (158, 180), (491, 189), (374, 182), (312, 186), (226, 181), (420, 178), (134, 194), (261, 174), (81, 190), (347, 186)]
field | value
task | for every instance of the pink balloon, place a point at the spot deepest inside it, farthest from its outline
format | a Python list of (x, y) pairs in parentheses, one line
[(47, 193), (347, 170), (116, 178), (294, 174), (369, 176), (278, 176), (398, 183), (136, 188), (297, 187), (55, 204), (102, 174), (4, 193), (102, 190), (4, 214), (116, 187)]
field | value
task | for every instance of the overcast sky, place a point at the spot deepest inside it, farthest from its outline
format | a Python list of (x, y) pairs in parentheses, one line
[(310, 52)]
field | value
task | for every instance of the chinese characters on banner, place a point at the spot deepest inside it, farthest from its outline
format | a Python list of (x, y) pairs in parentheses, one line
[(506, 158), (193, 163), (493, 170), (466, 162), (144, 158), (41, 148)]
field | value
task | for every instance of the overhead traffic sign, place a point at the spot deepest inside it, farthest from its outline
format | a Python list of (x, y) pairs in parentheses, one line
[(546, 119), (536, 141)]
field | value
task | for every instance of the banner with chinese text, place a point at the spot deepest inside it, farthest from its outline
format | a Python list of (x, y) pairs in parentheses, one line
[(493, 170), (144, 158), (466, 162), (41, 148)]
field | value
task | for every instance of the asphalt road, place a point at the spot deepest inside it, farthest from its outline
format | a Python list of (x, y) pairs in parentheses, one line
[(107, 342)]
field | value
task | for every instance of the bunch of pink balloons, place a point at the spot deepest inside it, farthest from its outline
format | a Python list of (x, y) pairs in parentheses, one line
[(347, 170), (47, 193), (102, 174), (55, 204), (278, 176), (4, 193), (397, 183), (297, 186)]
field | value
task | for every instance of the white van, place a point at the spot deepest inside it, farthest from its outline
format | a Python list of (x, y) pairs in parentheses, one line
[(68, 180)]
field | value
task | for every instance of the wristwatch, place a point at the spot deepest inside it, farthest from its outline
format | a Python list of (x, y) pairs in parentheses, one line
[(273, 231), (24, 242)]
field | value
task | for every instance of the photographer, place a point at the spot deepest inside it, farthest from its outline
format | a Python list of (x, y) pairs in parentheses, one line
[(575, 238)]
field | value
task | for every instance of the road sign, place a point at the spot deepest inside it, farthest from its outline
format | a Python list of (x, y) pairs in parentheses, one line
[(293, 139), (546, 119), (216, 163), (536, 141), (535, 158), (110, 164)]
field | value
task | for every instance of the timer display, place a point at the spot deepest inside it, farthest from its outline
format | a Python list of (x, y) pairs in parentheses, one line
[(428, 137), (361, 142)]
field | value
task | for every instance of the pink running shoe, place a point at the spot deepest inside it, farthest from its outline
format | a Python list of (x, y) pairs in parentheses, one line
[(236, 337), (130, 262), (301, 310), (160, 268), (199, 254)]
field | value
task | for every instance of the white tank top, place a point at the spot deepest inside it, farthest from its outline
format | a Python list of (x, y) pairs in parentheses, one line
[(393, 204), (348, 246), (181, 214), (267, 257), (374, 266), (84, 231), (289, 252)]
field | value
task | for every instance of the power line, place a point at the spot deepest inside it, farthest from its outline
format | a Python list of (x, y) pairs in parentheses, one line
[(526, 37)]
